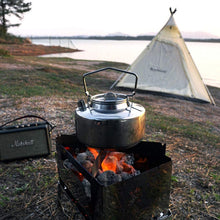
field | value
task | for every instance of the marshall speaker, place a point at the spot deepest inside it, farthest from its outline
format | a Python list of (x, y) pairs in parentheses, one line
[(25, 140)]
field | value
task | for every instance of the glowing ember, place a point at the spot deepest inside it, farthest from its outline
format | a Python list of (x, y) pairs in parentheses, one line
[(94, 152), (110, 163), (114, 161)]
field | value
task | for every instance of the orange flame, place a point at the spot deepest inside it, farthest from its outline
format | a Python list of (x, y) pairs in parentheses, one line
[(128, 168), (93, 151), (109, 163), (113, 161)]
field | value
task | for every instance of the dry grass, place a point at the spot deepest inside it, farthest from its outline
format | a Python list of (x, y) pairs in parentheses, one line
[(29, 49)]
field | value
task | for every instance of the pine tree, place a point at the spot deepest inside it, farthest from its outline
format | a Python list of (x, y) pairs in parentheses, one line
[(9, 8)]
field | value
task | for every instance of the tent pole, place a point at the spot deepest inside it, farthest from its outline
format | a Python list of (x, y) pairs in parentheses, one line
[(116, 82), (172, 12)]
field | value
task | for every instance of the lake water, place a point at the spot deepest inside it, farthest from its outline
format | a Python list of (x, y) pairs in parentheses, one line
[(205, 55)]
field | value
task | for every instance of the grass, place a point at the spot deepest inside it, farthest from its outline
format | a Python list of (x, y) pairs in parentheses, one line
[(11, 39), (3, 200), (37, 177), (179, 127), (44, 82), (4, 53)]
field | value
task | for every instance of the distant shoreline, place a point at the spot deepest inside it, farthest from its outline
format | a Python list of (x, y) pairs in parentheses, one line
[(144, 37), (30, 49)]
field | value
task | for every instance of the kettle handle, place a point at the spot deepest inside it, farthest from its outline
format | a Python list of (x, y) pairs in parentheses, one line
[(109, 68)]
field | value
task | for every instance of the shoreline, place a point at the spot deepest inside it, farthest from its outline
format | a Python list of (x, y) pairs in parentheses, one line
[(139, 38), (30, 49)]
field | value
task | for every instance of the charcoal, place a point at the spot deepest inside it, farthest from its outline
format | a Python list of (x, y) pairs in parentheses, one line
[(136, 173), (87, 187), (81, 157), (90, 156), (129, 159), (68, 165), (87, 164), (109, 177), (125, 176)]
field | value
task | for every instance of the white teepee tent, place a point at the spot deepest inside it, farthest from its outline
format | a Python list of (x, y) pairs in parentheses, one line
[(166, 66)]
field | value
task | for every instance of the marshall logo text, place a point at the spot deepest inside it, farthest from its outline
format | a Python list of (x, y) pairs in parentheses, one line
[(23, 143)]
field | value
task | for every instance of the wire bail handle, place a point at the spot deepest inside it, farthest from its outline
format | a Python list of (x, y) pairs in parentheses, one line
[(109, 68)]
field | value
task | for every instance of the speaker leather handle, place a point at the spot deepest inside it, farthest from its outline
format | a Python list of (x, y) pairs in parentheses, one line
[(29, 116)]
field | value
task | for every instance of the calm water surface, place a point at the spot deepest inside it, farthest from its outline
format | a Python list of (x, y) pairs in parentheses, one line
[(205, 55)]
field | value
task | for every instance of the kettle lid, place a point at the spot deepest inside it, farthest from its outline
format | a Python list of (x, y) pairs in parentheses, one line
[(109, 102)]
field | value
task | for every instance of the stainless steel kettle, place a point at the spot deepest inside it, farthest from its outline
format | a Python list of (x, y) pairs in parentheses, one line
[(109, 120)]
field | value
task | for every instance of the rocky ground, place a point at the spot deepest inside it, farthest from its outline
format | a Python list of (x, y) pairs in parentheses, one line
[(28, 187)]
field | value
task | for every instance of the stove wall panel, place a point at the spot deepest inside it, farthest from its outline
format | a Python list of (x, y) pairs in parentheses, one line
[(140, 197)]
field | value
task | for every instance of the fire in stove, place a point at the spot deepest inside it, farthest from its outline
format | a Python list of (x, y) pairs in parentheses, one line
[(108, 167), (115, 163), (132, 183)]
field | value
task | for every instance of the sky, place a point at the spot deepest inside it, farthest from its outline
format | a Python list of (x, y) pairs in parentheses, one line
[(103, 17)]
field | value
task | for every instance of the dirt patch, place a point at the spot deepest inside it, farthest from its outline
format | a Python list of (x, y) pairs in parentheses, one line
[(10, 66)]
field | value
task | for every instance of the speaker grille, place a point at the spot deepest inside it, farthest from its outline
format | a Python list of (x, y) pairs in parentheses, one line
[(24, 142)]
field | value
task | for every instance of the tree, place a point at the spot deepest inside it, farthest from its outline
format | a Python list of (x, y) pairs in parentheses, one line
[(9, 8)]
